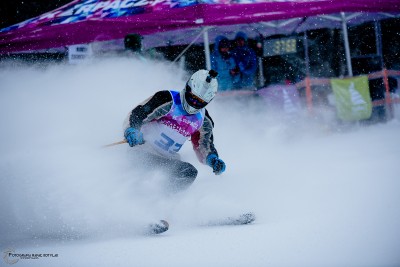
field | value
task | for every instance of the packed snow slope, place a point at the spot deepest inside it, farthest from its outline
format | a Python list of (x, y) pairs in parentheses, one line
[(322, 196)]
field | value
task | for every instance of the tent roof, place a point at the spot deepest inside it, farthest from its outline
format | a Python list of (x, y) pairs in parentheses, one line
[(178, 22)]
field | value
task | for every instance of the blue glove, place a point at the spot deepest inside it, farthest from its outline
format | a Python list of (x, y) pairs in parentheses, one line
[(216, 163), (134, 136)]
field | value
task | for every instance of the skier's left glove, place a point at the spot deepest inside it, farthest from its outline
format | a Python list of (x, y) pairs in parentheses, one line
[(216, 163)]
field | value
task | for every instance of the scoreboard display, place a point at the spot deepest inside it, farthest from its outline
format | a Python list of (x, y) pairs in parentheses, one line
[(282, 46)]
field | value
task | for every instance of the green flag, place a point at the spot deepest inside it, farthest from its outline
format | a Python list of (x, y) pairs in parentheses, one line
[(353, 101)]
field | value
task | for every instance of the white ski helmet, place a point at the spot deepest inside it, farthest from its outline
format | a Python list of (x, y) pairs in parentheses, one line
[(200, 89)]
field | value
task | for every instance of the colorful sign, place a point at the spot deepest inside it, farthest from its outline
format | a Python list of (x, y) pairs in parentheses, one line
[(353, 100)]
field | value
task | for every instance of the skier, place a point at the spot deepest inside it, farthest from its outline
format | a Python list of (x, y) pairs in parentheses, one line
[(159, 126)]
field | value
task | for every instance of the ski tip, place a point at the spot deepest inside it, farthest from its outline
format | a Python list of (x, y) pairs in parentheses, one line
[(244, 218), (247, 218), (165, 223), (158, 228)]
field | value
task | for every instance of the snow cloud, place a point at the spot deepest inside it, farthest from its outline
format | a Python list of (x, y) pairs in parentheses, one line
[(321, 196)]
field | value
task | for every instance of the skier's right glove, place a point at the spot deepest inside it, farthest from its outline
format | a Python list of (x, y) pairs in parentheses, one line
[(216, 163), (133, 136)]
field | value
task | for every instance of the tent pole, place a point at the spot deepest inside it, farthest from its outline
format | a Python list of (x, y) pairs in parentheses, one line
[(261, 78), (187, 47), (346, 44), (207, 48), (378, 41), (306, 55)]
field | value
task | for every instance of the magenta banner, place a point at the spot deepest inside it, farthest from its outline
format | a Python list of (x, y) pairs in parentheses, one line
[(85, 21)]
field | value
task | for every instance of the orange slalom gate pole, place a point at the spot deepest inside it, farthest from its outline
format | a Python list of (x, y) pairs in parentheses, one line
[(309, 94), (388, 98)]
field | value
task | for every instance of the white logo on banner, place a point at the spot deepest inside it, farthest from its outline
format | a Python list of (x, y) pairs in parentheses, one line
[(288, 105), (358, 102)]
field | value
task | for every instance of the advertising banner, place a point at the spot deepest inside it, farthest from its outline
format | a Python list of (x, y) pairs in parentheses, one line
[(283, 98), (353, 100), (179, 21)]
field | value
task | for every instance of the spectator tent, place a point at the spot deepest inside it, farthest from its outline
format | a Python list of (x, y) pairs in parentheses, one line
[(176, 22)]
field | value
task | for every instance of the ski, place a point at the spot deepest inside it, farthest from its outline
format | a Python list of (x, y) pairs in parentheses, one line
[(245, 218), (242, 219), (158, 227)]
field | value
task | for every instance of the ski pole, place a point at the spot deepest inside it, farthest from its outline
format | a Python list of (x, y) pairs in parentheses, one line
[(116, 143)]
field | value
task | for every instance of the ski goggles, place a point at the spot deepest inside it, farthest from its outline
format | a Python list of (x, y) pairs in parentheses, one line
[(193, 100)]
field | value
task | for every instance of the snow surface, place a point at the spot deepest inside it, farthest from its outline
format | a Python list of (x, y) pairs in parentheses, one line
[(322, 197)]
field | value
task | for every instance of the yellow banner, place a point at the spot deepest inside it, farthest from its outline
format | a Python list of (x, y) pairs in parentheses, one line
[(353, 101)]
